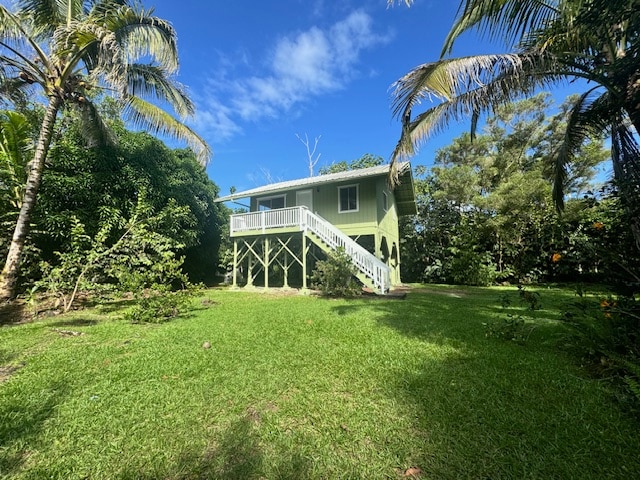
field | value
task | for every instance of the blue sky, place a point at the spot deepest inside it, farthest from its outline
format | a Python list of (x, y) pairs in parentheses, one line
[(263, 72)]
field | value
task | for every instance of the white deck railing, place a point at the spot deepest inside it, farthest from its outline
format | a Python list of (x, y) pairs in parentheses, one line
[(302, 219)]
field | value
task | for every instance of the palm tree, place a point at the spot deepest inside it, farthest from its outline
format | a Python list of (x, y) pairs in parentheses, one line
[(552, 41), (73, 51)]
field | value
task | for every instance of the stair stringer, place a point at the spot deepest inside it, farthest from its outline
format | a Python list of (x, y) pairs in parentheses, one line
[(372, 272)]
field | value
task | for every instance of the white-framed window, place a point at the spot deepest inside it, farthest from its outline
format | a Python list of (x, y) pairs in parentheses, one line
[(348, 199), (271, 203), (385, 201)]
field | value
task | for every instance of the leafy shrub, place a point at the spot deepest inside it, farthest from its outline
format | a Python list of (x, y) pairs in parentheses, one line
[(512, 328), (159, 306), (530, 299), (606, 334), (334, 276), (473, 268), (126, 255)]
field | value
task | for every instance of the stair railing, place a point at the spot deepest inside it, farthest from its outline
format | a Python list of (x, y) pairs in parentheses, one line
[(302, 218)]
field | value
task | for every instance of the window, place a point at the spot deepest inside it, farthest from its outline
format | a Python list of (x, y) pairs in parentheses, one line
[(385, 201), (270, 203), (348, 199)]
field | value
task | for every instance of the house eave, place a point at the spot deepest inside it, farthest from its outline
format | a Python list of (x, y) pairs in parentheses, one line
[(309, 182)]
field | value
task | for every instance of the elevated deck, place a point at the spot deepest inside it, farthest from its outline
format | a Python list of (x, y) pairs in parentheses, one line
[(371, 270)]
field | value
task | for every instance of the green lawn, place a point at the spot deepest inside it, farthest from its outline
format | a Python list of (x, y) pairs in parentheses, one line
[(298, 387)]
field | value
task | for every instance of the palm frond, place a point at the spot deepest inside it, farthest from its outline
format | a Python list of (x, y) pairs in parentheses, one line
[(17, 33), (579, 128), (467, 86), (13, 89), (625, 153), (149, 80), (141, 34), (449, 78), (510, 19), (95, 131), (158, 121), (9, 26), (47, 15)]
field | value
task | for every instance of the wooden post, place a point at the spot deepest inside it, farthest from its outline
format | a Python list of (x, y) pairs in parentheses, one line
[(285, 268), (235, 262), (304, 261), (266, 262)]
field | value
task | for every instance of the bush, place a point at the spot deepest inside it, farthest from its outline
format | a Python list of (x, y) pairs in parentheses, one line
[(334, 276), (473, 268), (606, 334), (160, 306)]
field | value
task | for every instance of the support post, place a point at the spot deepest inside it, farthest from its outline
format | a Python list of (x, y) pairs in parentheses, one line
[(304, 261), (235, 263), (266, 262), (285, 268)]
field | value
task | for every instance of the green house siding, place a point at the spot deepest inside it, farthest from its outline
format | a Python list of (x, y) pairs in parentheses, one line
[(371, 219), (325, 199)]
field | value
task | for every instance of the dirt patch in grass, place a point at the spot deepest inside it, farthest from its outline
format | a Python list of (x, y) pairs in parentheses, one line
[(7, 370)]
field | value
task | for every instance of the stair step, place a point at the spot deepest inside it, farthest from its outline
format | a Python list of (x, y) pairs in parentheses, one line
[(361, 276)]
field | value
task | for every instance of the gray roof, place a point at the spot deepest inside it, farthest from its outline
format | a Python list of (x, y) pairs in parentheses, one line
[(405, 197)]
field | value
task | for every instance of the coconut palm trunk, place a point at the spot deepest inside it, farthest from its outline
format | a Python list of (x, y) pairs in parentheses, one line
[(11, 267), (66, 48)]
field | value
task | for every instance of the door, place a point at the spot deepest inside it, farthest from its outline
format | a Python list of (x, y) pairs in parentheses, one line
[(305, 198)]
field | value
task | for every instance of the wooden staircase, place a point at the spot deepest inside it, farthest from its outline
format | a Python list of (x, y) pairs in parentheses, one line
[(372, 272)]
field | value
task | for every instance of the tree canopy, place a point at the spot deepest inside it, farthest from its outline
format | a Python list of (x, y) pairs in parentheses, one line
[(68, 52), (549, 43)]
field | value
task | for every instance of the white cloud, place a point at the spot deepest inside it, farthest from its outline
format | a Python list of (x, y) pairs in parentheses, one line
[(299, 68)]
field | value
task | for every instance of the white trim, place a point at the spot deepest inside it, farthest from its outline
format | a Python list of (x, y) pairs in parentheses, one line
[(349, 175), (259, 199), (357, 209)]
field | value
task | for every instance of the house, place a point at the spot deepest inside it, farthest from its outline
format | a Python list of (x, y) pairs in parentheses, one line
[(292, 224)]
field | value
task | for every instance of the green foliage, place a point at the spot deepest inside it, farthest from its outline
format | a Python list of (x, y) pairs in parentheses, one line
[(468, 267), (126, 255), (606, 333), (160, 305), (513, 326), (91, 185), (530, 299), (365, 161), (485, 211), (335, 275)]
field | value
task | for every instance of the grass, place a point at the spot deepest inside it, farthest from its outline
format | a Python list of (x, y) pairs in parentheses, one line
[(298, 387)]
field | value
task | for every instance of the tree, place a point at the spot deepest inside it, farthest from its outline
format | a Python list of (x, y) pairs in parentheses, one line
[(365, 161), (485, 207), (552, 42), (73, 51), (312, 158), (92, 186)]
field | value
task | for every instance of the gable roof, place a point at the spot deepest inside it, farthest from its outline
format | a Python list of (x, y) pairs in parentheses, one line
[(405, 197)]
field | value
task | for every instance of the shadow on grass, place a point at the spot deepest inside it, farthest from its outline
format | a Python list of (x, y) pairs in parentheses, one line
[(15, 312), (74, 322), (21, 423), (238, 454), (492, 408)]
